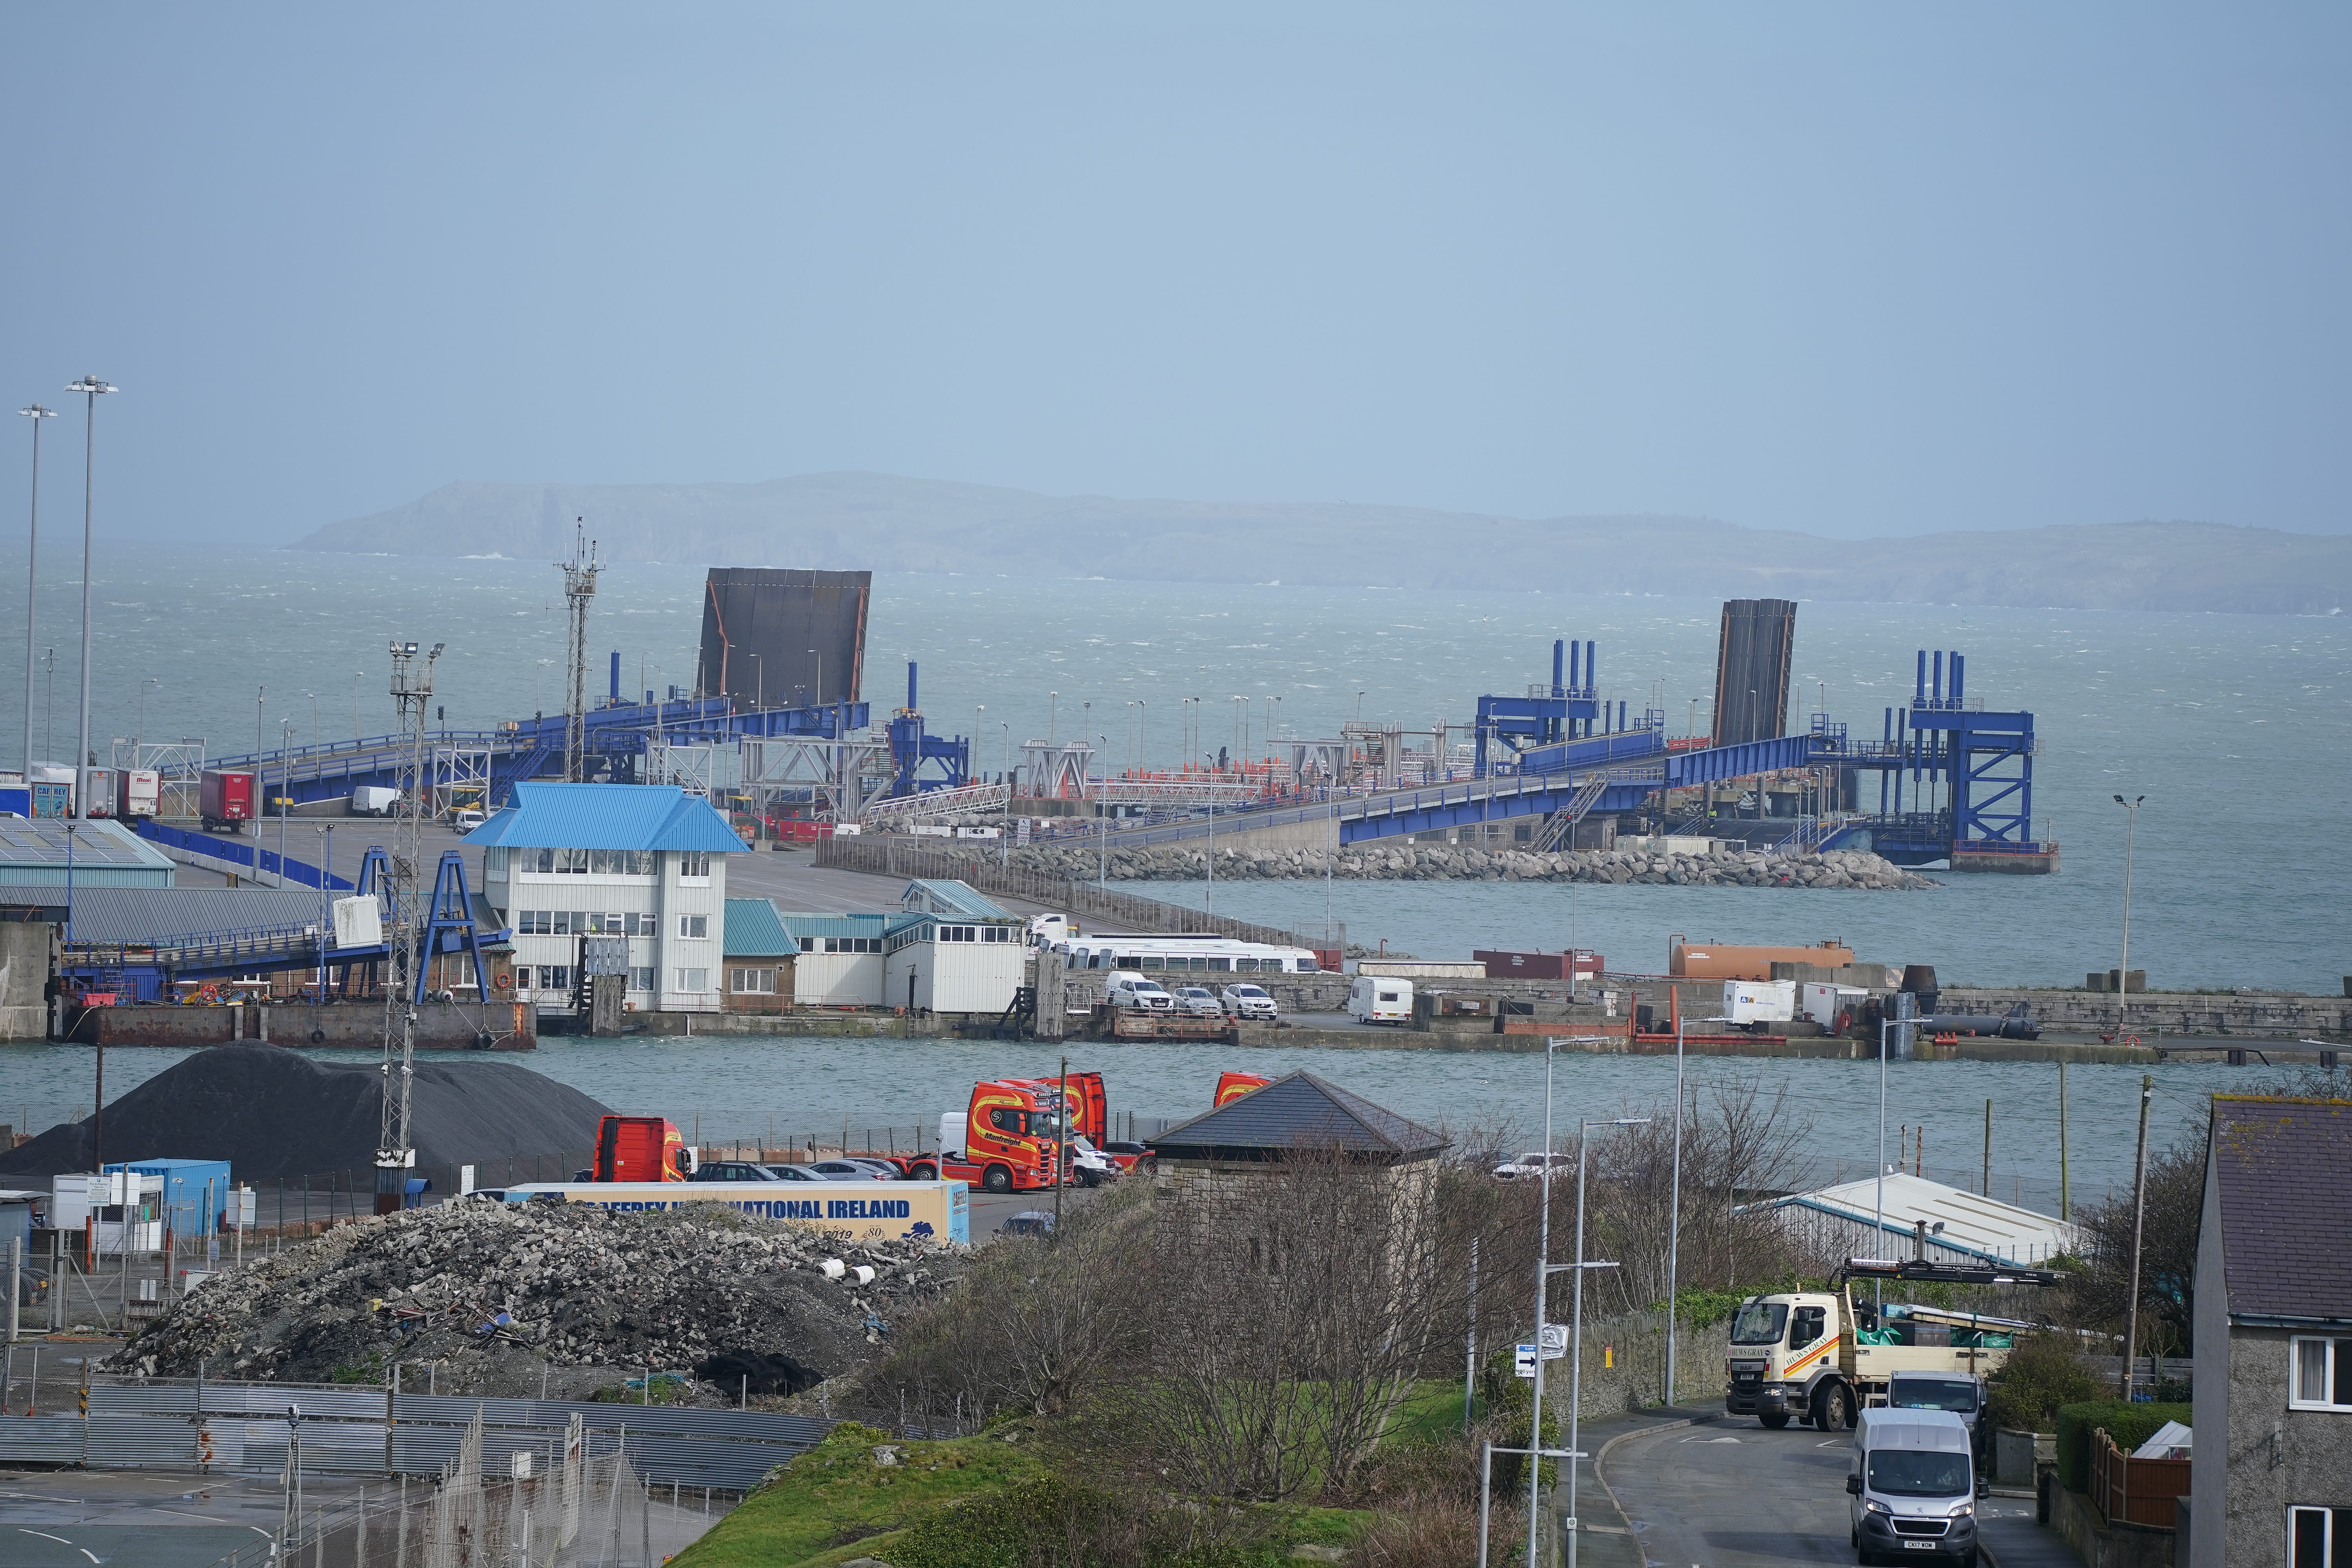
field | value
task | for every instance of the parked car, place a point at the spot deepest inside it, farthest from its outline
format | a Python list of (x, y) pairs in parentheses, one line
[(1129, 990), (1131, 1155), (733, 1171), (852, 1171), (1246, 1001), (465, 819), (1198, 1002), (1030, 1222), (1532, 1163), (1091, 1166)]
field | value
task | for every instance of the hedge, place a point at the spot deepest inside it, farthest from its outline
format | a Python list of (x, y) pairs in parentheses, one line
[(2128, 1425)]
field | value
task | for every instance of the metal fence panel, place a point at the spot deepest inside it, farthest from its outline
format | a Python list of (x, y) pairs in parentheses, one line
[(119, 1442), (40, 1440)]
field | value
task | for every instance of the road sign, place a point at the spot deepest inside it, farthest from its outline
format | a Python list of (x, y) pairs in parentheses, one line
[(1555, 1341), (1523, 1361)]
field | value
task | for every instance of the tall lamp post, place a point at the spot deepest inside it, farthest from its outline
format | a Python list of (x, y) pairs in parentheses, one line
[(1674, 1220), (91, 389), (1576, 1330), (1545, 1268), (35, 413), (2123, 976)]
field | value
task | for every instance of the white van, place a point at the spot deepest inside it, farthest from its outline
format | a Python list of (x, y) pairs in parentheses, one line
[(1913, 1483), (1380, 999), (1132, 990)]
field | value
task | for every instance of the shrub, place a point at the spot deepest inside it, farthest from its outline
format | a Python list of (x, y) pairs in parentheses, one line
[(2043, 1372), (1058, 1524), (2128, 1425)]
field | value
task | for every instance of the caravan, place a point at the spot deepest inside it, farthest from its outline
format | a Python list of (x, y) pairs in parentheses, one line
[(1379, 999)]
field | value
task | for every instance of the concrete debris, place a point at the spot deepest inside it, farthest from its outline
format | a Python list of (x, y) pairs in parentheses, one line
[(503, 1299), (1839, 869)]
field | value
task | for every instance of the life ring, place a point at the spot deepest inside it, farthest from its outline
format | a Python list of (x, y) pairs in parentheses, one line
[(504, 982), (317, 1037)]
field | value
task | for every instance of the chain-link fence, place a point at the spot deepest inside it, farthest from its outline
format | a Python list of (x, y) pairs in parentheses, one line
[(572, 1509)]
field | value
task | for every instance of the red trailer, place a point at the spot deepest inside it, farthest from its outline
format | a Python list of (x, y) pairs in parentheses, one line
[(228, 801)]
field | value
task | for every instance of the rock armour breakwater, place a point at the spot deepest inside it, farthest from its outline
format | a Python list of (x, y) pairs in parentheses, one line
[(1841, 869)]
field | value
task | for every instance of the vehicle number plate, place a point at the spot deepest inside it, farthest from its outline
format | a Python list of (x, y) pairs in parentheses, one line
[(1921, 1545)]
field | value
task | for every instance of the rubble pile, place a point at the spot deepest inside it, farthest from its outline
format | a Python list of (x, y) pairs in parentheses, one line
[(503, 1299)]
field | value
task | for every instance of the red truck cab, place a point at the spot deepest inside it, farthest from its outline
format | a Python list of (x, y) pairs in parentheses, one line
[(640, 1149), (1232, 1086), (1005, 1142)]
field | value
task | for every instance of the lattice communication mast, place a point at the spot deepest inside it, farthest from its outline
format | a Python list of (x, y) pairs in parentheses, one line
[(579, 587), (396, 1152)]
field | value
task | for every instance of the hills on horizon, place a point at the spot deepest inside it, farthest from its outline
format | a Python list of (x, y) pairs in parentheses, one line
[(882, 522)]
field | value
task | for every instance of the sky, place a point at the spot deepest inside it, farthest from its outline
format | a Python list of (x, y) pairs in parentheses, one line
[(1852, 269)]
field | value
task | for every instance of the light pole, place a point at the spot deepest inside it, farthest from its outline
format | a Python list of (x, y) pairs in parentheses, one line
[(2123, 976), (1102, 827), (260, 697), (819, 701), (1577, 1315), (284, 792), (92, 389), (971, 756), (35, 413), (1142, 736), (357, 675), (326, 912), (759, 685), (140, 740), (314, 716)]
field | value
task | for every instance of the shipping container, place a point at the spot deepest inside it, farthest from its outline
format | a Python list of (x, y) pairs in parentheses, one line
[(228, 801), (1747, 1003), (1834, 1007), (1505, 965), (845, 1212)]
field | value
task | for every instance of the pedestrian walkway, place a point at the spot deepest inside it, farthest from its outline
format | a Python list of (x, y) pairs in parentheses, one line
[(2010, 1538), (1609, 1540)]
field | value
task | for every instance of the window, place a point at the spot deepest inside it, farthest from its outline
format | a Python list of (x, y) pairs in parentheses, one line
[(2322, 1378), (642, 978), (693, 866), (534, 923), (559, 862), (1759, 1323), (1223, 965), (694, 925), (523, 977), (645, 922), (494, 860), (555, 978), (690, 979), (620, 862), (1806, 1327), (751, 982), (1245, 965), (2319, 1537)]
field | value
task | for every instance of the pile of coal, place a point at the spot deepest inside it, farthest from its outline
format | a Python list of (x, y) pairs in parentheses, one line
[(274, 1113), (478, 1297)]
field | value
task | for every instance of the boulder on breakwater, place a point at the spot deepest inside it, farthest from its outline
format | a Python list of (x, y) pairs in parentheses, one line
[(1402, 861)]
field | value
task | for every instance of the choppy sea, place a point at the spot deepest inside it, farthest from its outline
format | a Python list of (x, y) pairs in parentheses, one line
[(2236, 729)]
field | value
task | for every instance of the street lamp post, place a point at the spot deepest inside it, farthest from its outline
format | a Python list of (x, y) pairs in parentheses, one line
[(758, 684), (2123, 976), (35, 413), (260, 699), (92, 389), (314, 716), (1576, 1325)]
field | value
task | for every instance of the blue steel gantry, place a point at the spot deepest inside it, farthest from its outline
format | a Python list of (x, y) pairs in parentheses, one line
[(1970, 773), (910, 748)]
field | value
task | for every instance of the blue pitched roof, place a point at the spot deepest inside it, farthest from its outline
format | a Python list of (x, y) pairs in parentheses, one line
[(754, 931), (546, 816)]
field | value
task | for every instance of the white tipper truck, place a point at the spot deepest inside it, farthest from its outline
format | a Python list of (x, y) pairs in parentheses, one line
[(1820, 1356)]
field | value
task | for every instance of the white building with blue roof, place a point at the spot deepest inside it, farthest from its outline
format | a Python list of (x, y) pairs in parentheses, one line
[(646, 863), (951, 950)]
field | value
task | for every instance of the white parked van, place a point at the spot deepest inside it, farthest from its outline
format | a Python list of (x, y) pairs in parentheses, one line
[(1913, 1483), (1132, 990), (1380, 999)]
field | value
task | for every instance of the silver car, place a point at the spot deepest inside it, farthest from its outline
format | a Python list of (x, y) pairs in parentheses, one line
[(1198, 1002), (1249, 1002)]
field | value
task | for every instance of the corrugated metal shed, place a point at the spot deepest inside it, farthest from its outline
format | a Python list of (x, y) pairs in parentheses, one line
[(134, 916), (546, 816), (33, 853), (1298, 1110), (753, 931), (945, 896), (1974, 1227)]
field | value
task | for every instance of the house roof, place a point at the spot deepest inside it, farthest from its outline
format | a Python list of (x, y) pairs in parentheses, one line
[(1974, 1224), (803, 926), (549, 815), (2283, 1167), (753, 931), (945, 896), (1298, 1110), (34, 852)]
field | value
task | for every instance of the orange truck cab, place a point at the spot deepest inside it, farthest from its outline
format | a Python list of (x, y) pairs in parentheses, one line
[(640, 1149), (1232, 1086), (1006, 1141)]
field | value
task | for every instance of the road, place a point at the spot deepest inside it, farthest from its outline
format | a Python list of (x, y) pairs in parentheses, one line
[(1729, 1494), (71, 1518)]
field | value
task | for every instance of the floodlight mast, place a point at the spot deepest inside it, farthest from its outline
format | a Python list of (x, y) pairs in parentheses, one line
[(579, 587), (412, 694)]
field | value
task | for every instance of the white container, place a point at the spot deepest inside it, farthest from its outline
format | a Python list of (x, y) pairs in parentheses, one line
[(139, 792), (1747, 1003), (359, 921), (1825, 1002)]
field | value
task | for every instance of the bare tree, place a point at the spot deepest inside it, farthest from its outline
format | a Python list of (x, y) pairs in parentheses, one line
[(2100, 1291)]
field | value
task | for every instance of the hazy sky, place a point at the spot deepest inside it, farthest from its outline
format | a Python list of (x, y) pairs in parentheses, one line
[(1849, 268)]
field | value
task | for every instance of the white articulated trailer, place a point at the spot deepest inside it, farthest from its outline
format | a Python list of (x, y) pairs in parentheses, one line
[(1820, 1356)]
